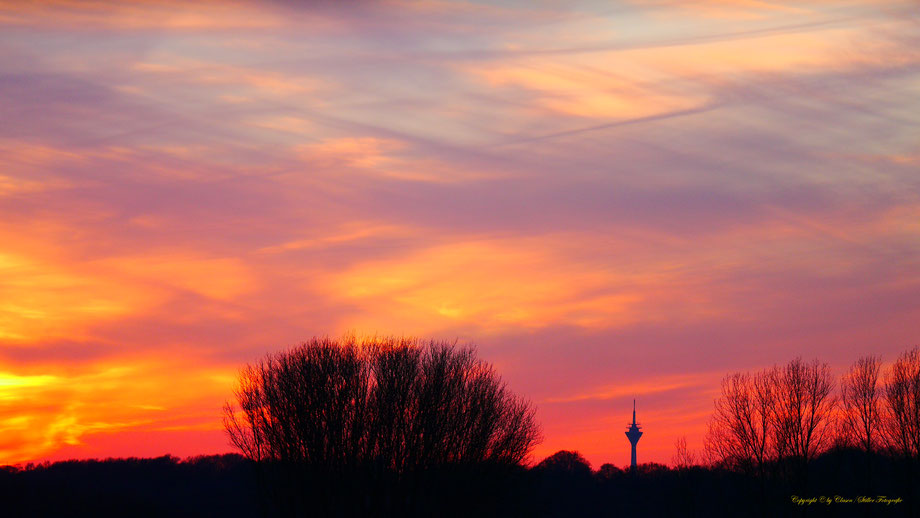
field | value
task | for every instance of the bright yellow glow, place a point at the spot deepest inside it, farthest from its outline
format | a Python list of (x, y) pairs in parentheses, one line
[(48, 411), (10, 381)]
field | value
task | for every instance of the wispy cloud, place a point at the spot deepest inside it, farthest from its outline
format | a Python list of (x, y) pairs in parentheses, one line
[(645, 387)]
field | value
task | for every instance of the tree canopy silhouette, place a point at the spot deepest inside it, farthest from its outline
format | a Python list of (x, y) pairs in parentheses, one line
[(394, 403), (565, 461)]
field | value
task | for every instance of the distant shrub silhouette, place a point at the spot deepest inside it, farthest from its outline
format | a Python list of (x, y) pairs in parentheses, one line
[(568, 462), (389, 414), (565, 483), (608, 471)]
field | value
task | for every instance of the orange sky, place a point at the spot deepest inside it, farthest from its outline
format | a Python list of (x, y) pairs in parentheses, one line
[(611, 200)]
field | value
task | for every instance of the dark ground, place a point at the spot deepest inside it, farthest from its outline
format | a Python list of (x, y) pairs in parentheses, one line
[(563, 485)]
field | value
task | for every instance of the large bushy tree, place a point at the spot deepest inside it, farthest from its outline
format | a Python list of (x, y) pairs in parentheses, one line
[(392, 403)]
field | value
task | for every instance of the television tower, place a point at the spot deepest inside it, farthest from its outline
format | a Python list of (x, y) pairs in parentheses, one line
[(633, 434)]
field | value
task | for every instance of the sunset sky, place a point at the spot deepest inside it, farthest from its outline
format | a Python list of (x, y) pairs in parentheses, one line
[(611, 199)]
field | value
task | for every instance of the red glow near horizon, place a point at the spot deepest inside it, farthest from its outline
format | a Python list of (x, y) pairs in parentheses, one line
[(610, 204)]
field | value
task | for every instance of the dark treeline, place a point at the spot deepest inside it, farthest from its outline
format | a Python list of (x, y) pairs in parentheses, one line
[(221, 485), (563, 485)]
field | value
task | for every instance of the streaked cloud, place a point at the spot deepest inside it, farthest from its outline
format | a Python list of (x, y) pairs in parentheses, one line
[(646, 387)]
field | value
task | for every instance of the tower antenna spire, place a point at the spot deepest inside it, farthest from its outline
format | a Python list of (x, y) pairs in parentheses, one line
[(633, 433)]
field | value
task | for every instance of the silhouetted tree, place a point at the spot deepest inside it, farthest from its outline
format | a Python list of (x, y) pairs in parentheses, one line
[(608, 471), (776, 417), (902, 394), (902, 420), (564, 461), (565, 484), (741, 426), (860, 401), (384, 408), (683, 458), (802, 415), (683, 461)]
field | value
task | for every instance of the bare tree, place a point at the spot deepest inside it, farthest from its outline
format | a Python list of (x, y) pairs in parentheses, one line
[(740, 428), (683, 458), (349, 428), (304, 405), (860, 420), (802, 416), (394, 402), (860, 397), (902, 394)]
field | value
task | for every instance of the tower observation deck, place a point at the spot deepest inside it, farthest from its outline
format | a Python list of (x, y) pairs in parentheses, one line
[(633, 433)]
